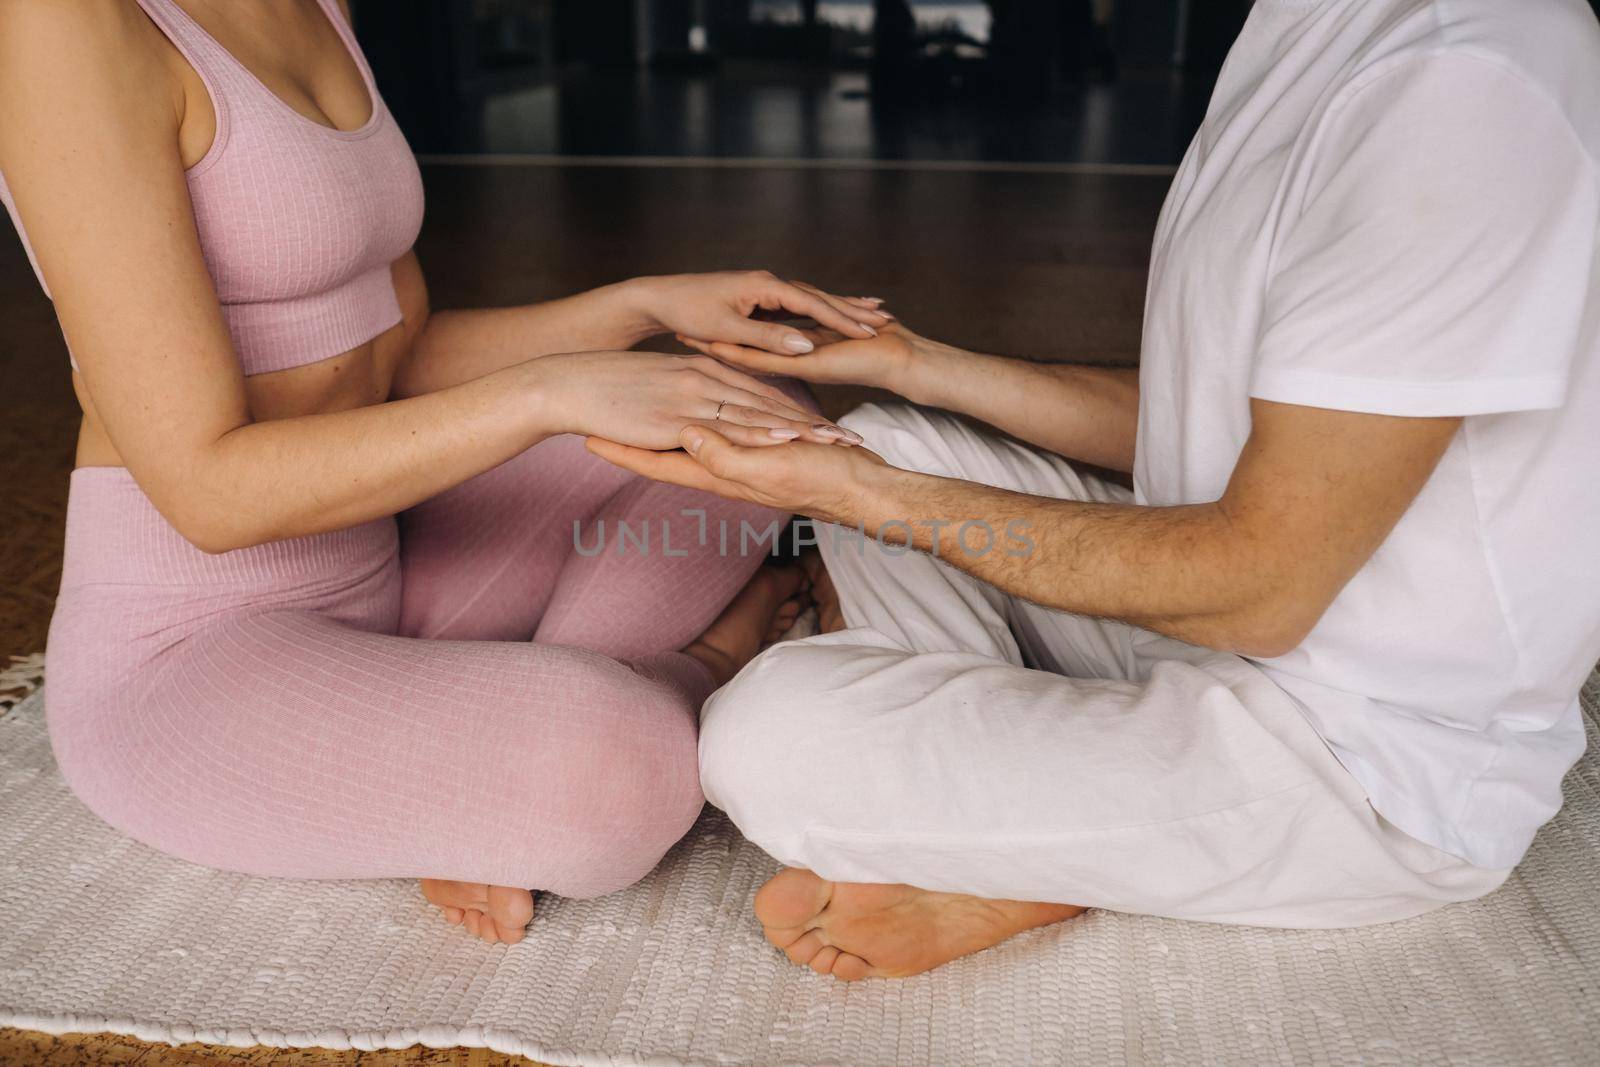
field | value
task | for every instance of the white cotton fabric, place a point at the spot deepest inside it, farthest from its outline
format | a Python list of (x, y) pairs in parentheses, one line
[(1392, 207), (960, 739)]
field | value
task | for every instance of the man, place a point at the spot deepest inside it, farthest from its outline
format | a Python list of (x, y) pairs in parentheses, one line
[(1320, 667)]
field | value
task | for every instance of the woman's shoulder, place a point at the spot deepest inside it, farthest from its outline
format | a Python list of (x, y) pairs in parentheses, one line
[(68, 60), (71, 71), (83, 29)]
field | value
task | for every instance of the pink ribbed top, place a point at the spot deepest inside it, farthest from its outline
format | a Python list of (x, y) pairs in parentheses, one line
[(298, 222)]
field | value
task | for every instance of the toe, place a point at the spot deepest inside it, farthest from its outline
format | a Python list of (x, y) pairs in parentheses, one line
[(791, 580), (851, 968), (447, 894), (816, 570), (438, 893), (823, 961), (453, 916), (487, 931), (804, 948), (510, 907), (791, 899)]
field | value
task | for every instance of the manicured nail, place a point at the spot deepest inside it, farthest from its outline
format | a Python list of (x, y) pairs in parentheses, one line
[(784, 435), (838, 433), (692, 439), (851, 436), (873, 299), (795, 343), (869, 329)]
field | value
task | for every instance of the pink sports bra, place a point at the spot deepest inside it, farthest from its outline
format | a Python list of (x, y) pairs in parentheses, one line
[(298, 222)]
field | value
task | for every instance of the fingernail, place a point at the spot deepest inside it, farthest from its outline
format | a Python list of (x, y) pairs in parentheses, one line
[(851, 436), (828, 430), (795, 343), (869, 329), (873, 299), (692, 439), (784, 435)]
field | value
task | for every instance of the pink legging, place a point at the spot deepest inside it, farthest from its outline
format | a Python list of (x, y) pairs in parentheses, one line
[(472, 699)]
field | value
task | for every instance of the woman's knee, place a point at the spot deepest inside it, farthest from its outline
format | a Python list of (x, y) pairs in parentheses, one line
[(620, 857), (629, 805)]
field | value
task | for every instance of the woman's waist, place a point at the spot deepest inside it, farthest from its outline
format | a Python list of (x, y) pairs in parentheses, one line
[(115, 535)]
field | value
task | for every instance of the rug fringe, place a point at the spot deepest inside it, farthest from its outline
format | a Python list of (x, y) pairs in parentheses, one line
[(19, 680)]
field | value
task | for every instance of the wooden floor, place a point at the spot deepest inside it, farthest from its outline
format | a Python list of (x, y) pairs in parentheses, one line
[(19, 1047), (1050, 266)]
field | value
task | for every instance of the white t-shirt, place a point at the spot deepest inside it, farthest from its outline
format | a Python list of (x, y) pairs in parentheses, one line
[(1394, 206)]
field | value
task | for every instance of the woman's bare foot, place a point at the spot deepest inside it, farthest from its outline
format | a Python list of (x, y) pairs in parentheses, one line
[(496, 913), (886, 931), (830, 616), (763, 610)]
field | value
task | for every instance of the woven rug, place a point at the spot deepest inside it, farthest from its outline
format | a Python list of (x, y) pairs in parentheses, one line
[(98, 933)]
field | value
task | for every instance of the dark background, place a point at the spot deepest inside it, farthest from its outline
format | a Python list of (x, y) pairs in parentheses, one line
[(1061, 81)]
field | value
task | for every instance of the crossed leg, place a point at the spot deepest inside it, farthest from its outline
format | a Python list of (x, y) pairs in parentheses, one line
[(533, 550), (956, 765)]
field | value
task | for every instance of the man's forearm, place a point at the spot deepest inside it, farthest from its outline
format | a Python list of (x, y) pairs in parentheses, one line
[(1188, 572), (1089, 414)]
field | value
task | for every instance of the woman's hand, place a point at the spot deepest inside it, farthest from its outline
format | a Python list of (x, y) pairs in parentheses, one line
[(824, 483), (891, 360), (719, 307), (645, 399)]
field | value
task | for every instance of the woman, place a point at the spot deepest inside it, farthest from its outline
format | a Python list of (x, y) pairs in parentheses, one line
[(251, 666)]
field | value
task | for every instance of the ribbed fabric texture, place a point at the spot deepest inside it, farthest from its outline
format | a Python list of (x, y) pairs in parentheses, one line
[(261, 711), (298, 222)]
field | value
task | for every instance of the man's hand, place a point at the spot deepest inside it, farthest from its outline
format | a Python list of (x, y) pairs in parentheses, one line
[(720, 308), (1088, 414), (822, 481), (1313, 495)]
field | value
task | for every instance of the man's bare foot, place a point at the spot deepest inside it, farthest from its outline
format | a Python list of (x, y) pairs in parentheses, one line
[(763, 610), (830, 616), (496, 913), (886, 931)]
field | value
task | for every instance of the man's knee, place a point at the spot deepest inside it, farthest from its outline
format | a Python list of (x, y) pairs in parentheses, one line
[(918, 439), (755, 739), (934, 442)]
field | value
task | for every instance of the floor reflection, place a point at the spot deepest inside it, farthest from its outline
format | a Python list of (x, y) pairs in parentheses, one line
[(772, 111)]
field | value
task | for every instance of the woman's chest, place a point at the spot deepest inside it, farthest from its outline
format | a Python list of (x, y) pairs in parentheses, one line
[(286, 219)]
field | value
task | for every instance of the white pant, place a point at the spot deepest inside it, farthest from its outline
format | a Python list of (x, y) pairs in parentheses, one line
[(959, 739)]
